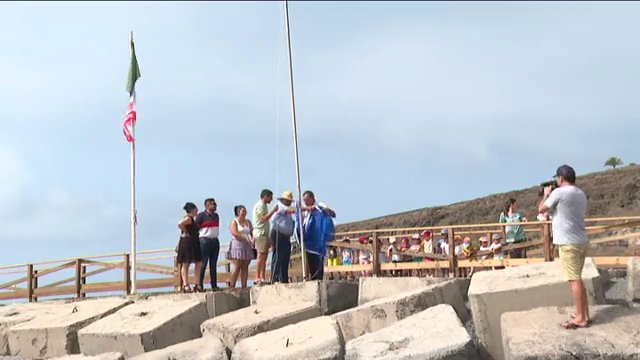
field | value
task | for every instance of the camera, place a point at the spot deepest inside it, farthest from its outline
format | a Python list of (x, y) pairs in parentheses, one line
[(543, 185)]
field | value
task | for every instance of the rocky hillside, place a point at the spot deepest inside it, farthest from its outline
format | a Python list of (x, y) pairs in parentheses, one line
[(610, 193)]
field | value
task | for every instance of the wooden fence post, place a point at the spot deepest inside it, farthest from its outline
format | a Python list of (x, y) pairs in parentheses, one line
[(126, 266), (453, 258), (376, 255), (30, 282), (78, 278), (546, 238), (83, 276), (35, 284)]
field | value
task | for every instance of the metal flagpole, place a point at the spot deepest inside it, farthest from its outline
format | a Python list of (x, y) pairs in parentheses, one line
[(295, 142), (134, 220)]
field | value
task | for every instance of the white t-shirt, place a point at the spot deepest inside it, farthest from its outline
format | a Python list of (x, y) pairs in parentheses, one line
[(568, 205), (499, 254), (485, 248)]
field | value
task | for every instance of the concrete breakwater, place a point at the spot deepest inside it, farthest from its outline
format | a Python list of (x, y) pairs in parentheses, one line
[(515, 312)]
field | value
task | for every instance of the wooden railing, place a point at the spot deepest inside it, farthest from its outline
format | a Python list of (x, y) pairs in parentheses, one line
[(158, 271), (539, 246)]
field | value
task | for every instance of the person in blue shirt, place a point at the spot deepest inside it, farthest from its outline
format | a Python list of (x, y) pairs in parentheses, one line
[(318, 230)]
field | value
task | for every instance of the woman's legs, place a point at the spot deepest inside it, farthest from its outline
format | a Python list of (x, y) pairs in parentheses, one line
[(196, 273), (244, 273), (184, 273), (235, 273)]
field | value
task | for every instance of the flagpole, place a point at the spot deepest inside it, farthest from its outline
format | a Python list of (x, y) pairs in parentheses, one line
[(295, 143), (133, 197)]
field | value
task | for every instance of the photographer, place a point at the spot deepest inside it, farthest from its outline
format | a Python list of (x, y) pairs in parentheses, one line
[(568, 205)]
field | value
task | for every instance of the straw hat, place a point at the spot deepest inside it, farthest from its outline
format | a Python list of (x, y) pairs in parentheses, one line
[(287, 195)]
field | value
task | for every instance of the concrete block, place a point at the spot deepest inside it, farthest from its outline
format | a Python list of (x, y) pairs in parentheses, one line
[(337, 296), (145, 326), (56, 333), (633, 279), (222, 302), (105, 356), (218, 302), (14, 314), (384, 312), (373, 288), (493, 293), (240, 324), (443, 338), (313, 339), (331, 296), (209, 348), (536, 334)]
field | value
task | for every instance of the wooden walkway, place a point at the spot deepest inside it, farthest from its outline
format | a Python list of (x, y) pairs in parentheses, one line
[(109, 273)]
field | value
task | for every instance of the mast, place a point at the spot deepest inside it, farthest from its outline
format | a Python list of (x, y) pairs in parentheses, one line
[(134, 220), (295, 142)]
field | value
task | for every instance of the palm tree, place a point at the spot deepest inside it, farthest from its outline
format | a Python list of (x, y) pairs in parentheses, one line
[(613, 162)]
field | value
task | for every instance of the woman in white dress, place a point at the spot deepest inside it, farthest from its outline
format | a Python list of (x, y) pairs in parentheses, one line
[(241, 247)]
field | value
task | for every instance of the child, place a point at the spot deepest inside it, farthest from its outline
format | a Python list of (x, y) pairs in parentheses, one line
[(333, 257), (427, 242), (457, 240), (392, 253), (484, 246), (364, 256), (347, 254), (416, 247), (496, 249), (427, 248), (404, 247), (468, 250)]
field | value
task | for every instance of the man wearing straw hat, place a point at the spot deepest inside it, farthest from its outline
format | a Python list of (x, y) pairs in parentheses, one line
[(281, 231)]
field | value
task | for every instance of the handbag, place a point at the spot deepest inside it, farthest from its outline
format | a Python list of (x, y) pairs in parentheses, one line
[(228, 253)]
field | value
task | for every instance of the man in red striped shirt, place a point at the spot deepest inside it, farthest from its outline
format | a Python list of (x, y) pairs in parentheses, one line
[(209, 223)]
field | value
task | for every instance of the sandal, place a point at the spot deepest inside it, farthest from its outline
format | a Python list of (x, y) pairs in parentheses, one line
[(186, 289), (573, 316), (197, 289), (569, 325)]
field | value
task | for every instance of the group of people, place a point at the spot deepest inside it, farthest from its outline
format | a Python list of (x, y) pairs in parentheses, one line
[(199, 240), (273, 228)]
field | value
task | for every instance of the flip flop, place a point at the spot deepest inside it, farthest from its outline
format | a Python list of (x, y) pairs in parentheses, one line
[(573, 316), (568, 325)]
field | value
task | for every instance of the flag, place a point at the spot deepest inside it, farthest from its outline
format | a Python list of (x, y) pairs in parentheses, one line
[(134, 75)]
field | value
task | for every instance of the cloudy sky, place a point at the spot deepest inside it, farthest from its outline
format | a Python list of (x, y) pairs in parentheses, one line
[(400, 106)]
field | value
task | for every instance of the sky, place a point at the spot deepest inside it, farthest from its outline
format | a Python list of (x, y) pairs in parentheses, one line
[(399, 106)]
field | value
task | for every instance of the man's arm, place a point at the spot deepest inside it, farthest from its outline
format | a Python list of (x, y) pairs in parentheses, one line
[(327, 210), (200, 219), (265, 218), (548, 201)]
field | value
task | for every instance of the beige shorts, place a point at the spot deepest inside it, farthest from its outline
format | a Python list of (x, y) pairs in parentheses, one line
[(572, 259), (262, 244)]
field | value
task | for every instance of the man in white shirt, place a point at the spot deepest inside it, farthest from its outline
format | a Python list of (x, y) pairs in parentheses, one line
[(568, 205)]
